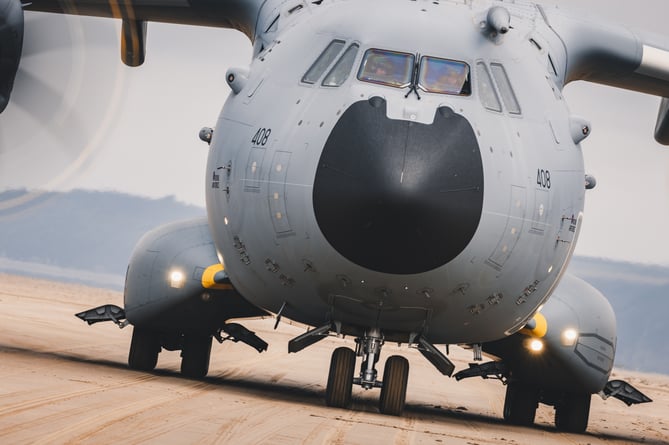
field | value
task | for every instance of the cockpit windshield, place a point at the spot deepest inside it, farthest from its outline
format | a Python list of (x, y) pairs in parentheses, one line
[(387, 68), (435, 75), (444, 76)]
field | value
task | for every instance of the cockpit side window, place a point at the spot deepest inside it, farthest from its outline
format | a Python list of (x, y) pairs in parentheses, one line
[(505, 89), (486, 88), (339, 73), (444, 76), (387, 68), (323, 62)]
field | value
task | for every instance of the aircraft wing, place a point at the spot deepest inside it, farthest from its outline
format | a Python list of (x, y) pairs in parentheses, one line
[(242, 15), (613, 55), (236, 14)]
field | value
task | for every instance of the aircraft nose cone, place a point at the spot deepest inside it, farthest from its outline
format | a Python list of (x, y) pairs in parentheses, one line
[(395, 196)]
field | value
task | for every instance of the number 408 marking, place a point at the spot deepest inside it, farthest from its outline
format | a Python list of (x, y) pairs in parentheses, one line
[(261, 136), (544, 178)]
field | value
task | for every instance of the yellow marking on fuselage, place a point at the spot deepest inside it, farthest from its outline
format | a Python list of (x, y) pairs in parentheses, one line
[(540, 329), (208, 278)]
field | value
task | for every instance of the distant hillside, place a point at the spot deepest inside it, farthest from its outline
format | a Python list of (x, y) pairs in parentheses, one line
[(88, 237), (83, 230), (639, 295)]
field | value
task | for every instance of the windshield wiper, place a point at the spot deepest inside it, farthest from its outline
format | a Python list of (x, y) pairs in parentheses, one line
[(414, 79)]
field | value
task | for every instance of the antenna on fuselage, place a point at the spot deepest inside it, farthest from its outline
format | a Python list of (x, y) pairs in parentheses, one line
[(499, 19)]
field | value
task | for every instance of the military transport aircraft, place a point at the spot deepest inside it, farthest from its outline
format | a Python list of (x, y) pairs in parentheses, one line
[(392, 170)]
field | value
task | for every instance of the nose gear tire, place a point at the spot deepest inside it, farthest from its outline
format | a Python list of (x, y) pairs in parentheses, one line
[(394, 389), (340, 378)]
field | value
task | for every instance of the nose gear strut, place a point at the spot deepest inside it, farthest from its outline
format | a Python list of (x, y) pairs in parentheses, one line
[(369, 347)]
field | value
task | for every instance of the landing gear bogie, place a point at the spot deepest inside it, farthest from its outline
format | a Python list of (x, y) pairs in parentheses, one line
[(571, 409)]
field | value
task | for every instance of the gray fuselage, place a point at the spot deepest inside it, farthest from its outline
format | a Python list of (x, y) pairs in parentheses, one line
[(365, 206)]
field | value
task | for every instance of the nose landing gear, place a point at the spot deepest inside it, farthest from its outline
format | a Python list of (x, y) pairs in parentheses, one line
[(369, 347), (342, 368)]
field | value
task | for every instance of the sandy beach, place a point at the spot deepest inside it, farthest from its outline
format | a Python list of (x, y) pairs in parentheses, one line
[(62, 381)]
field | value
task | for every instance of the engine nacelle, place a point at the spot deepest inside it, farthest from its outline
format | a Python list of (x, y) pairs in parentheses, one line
[(11, 46), (569, 346), (176, 283)]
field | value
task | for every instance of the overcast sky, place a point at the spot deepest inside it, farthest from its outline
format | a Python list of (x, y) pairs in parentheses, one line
[(81, 119)]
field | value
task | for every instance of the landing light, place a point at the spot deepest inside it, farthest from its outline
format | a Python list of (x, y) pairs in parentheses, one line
[(177, 279), (569, 337), (536, 345)]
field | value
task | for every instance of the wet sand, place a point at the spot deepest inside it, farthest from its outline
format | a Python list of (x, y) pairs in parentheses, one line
[(62, 381)]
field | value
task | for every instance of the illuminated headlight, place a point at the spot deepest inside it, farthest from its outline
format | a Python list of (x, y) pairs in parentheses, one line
[(535, 345), (569, 337), (177, 279)]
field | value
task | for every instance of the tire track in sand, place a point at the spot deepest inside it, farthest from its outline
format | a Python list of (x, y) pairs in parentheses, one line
[(43, 401), (92, 424)]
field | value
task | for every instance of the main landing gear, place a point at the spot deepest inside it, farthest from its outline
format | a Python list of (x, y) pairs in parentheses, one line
[(195, 354), (144, 349), (572, 408), (342, 369), (520, 403), (195, 347), (146, 345), (522, 399)]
